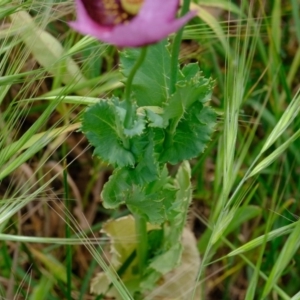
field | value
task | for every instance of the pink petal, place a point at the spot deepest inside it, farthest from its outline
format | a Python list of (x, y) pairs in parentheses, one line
[(159, 9), (85, 24), (155, 21), (140, 32)]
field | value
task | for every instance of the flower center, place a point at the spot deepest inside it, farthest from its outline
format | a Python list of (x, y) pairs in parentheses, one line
[(112, 12), (132, 6)]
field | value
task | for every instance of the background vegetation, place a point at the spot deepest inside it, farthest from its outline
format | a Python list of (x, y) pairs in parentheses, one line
[(246, 184)]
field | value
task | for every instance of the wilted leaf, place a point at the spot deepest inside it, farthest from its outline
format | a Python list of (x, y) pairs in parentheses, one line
[(123, 243), (179, 283)]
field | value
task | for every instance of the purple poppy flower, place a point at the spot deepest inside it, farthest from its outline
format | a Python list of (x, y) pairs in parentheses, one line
[(128, 23)]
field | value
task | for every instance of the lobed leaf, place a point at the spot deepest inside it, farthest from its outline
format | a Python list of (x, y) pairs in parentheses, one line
[(191, 136), (117, 189), (150, 84), (153, 206), (102, 126), (146, 169), (188, 123), (170, 252)]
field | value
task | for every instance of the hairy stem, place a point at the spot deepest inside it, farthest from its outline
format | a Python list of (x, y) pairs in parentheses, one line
[(142, 242), (176, 49), (129, 106)]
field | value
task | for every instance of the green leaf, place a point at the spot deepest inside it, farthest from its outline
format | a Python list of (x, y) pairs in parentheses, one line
[(189, 71), (152, 79), (154, 119), (126, 182), (153, 206), (197, 89), (191, 136), (138, 123), (153, 200), (137, 127), (170, 252), (167, 261), (181, 204), (147, 169), (189, 124), (155, 239), (43, 288), (102, 126), (117, 189)]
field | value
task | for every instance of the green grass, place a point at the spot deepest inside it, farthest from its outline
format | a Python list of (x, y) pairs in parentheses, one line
[(245, 211)]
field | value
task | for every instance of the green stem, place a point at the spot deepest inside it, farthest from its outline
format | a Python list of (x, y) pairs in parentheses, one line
[(129, 106), (176, 49), (142, 242)]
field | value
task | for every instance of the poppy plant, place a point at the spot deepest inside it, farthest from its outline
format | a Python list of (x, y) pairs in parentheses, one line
[(128, 23)]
